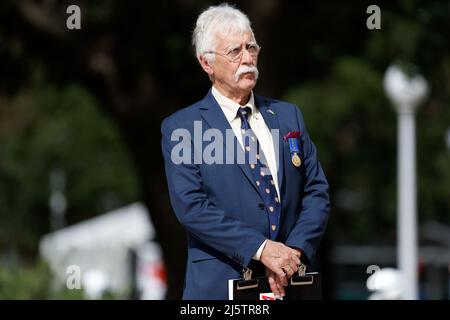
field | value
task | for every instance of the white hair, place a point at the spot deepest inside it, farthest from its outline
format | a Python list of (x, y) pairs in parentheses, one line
[(223, 19)]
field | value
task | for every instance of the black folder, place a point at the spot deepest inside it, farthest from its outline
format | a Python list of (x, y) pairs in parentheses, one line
[(301, 286)]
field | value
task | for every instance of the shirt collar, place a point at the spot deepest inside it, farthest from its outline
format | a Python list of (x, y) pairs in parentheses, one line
[(230, 108)]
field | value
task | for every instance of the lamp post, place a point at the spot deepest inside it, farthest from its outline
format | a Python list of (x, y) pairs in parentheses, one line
[(406, 94)]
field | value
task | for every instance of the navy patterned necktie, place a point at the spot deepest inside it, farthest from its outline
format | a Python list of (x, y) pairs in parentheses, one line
[(254, 156)]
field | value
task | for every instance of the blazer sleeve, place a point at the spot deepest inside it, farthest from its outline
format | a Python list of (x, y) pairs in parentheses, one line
[(312, 219), (198, 214)]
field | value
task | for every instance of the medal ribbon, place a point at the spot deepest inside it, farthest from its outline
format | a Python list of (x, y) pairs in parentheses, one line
[(293, 146)]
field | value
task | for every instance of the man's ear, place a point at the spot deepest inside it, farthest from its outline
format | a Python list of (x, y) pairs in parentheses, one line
[(206, 65)]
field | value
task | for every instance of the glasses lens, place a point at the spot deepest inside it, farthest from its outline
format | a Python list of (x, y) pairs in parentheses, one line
[(253, 49), (234, 54)]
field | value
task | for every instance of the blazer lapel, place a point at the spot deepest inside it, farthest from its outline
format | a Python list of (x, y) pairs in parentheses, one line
[(214, 116), (272, 121)]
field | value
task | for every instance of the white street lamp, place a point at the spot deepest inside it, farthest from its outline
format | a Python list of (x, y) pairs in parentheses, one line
[(406, 94)]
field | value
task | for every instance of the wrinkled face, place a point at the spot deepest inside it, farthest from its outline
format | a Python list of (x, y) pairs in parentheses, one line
[(226, 71)]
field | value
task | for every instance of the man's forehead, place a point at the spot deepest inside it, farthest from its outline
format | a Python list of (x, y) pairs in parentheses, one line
[(234, 37)]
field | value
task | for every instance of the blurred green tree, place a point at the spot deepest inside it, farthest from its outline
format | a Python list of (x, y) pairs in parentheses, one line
[(49, 128), (133, 61), (354, 125), (355, 137)]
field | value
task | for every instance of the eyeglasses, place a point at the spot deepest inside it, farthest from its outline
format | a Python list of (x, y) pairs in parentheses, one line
[(235, 54)]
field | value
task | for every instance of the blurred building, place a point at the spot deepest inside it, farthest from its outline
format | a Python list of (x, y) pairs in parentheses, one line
[(112, 253)]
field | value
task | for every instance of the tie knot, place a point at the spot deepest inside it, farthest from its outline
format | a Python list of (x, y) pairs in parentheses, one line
[(244, 112)]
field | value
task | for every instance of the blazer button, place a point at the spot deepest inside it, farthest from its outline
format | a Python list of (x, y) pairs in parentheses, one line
[(261, 206)]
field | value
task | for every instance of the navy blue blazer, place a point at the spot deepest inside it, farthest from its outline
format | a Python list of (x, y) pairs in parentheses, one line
[(220, 207)]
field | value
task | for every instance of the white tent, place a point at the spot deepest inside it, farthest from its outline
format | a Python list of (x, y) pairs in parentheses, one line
[(100, 249)]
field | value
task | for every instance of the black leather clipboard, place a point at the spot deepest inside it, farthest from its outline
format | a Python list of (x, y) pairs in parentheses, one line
[(305, 287)]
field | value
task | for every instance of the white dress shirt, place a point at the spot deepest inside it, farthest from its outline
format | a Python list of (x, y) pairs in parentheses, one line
[(261, 130)]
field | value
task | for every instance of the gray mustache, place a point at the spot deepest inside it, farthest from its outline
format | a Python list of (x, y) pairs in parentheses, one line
[(246, 69)]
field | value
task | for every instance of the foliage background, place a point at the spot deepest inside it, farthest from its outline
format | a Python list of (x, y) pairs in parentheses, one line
[(91, 102)]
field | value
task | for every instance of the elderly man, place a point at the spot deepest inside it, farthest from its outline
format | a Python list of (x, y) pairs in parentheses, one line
[(266, 213)]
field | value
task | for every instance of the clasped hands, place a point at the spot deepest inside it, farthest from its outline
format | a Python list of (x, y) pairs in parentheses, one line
[(281, 263)]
